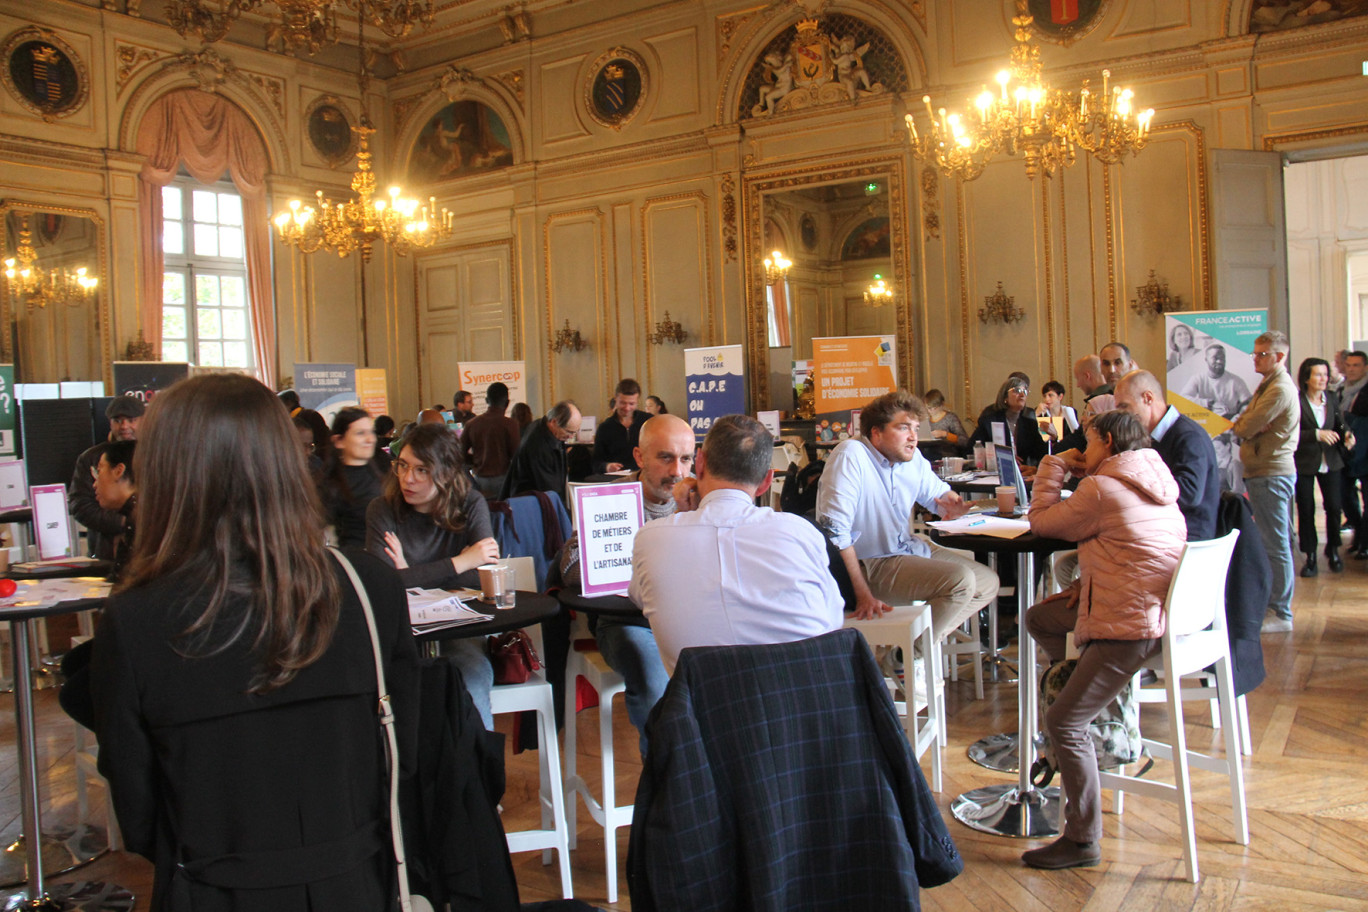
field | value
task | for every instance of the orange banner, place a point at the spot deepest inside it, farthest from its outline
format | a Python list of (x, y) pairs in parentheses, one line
[(372, 391), (852, 370)]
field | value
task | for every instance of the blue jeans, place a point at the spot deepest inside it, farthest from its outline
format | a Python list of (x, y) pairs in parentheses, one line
[(472, 658), (631, 652), (1271, 498)]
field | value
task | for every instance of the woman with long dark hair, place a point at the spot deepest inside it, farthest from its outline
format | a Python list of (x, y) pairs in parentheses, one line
[(232, 675), (353, 475), (433, 525), (1319, 460)]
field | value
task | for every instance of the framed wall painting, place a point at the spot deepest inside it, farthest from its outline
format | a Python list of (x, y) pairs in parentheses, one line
[(328, 125)]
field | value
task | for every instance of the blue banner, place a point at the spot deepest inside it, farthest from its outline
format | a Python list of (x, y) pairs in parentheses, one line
[(714, 381)]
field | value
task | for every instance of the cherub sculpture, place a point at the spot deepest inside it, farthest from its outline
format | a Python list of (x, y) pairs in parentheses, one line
[(849, 61), (778, 80)]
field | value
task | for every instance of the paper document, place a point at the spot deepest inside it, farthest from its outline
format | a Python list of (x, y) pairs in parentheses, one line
[(980, 524), (433, 609)]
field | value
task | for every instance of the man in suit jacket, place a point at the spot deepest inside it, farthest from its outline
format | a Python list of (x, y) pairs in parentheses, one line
[(539, 464), (1355, 407), (1183, 445)]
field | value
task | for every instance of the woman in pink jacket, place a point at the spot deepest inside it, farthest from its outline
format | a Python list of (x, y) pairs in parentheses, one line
[(1130, 534)]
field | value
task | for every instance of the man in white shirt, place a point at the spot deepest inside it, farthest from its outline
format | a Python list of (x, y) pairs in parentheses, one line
[(868, 491), (726, 572)]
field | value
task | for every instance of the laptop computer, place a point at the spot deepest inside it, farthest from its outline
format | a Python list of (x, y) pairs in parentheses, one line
[(1007, 472)]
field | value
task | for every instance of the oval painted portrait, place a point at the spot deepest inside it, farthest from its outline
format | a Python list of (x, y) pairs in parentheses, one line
[(330, 132)]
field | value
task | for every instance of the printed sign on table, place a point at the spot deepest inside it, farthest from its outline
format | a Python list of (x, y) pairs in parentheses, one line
[(326, 388), (714, 382), (607, 517), (477, 375), (851, 371), (372, 392), (50, 522)]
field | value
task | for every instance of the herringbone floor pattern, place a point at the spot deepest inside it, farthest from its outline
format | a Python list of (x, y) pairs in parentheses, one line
[(1307, 786)]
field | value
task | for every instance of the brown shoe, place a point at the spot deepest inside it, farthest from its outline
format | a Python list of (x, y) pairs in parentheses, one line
[(1064, 853)]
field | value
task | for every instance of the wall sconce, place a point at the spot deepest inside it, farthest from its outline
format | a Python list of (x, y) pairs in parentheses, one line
[(1000, 307), (567, 338), (879, 293), (776, 268), (1153, 298), (667, 330)]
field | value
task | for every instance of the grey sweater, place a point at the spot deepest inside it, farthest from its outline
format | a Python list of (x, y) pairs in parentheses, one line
[(428, 548)]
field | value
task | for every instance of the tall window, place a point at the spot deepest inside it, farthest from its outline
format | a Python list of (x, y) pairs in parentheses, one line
[(205, 316)]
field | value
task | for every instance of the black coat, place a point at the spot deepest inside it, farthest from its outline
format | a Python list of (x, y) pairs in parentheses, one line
[(779, 778), (284, 793), (539, 464), (1248, 583), (1309, 447), (1189, 454)]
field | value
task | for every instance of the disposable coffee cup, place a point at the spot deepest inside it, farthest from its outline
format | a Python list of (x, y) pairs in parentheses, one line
[(1006, 498), (492, 582)]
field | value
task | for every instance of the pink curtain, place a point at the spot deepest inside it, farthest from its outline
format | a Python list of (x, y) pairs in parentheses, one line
[(209, 135), (781, 311)]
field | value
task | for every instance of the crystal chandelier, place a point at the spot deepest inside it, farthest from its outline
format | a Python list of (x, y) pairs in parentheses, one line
[(1027, 116), (879, 293), (359, 223), (310, 25), (776, 268), (40, 287), (667, 330)]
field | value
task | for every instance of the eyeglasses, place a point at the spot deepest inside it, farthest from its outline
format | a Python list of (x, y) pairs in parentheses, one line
[(1264, 354), (419, 472), (1023, 390)]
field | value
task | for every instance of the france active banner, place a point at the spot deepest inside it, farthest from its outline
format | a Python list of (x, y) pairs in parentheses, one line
[(1211, 375), (714, 383)]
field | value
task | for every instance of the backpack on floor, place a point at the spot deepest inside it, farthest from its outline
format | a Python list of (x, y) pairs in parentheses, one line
[(799, 494), (1115, 732)]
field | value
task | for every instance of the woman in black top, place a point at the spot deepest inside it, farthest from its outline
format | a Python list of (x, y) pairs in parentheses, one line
[(1010, 410), (1319, 460), (353, 475), (233, 673), (433, 526)]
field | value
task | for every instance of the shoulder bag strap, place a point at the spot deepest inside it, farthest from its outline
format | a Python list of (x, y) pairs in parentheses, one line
[(387, 723)]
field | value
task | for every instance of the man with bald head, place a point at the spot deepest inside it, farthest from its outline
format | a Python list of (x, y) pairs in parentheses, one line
[(430, 416), (1184, 446), (1087, 372), (665, 452)]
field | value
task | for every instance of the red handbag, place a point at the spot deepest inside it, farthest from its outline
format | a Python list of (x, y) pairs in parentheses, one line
[(513, 657)]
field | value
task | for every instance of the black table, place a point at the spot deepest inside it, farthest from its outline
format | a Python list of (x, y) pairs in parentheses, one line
[(531, 608), (614, 606), (36, 894), (1019, 810), (99, 568)]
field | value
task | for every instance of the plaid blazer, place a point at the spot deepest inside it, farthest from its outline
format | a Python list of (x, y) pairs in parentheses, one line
[(779, 778)]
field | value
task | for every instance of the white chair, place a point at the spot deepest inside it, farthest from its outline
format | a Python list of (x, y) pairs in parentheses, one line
[(535, 694), (607, 813), (1195, 638), (965, 641), (903, 627)]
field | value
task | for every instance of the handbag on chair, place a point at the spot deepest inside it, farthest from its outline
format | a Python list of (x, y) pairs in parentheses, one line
[(407, 901)]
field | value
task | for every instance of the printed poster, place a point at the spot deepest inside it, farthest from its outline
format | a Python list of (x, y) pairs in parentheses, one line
[(1211, 375), (607, 517), (144, 379), (852, 370), (372, 391), (7, 411), (326, 388), (714, 382), (475, 377)]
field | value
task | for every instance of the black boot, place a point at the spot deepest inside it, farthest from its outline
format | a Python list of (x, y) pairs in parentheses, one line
[(1333, 559), (1310, 569)]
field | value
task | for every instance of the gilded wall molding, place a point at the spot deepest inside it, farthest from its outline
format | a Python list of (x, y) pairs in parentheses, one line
[(1199, 167), (594, 215), (755, 185), (130, 59), (514, 81), (727, 28), (727, 185), (1064, 270), (710, 302), (962, 247), (930, 187), (1049, 270), (1272, 142), (1110, 228)]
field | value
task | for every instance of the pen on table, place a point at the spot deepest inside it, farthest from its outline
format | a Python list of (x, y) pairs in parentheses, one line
[(978, 522)]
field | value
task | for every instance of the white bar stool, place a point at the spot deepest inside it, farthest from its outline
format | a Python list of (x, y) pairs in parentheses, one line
[(903, 627), (607, 813), (535, 694)]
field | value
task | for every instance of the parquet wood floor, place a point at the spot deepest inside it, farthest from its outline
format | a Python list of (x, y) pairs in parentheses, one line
[(1307, 788)]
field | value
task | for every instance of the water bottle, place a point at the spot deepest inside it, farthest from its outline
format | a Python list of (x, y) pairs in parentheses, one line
[(980, 457)]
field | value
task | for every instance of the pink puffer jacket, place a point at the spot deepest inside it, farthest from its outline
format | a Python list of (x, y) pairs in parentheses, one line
[(1130, 534)]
